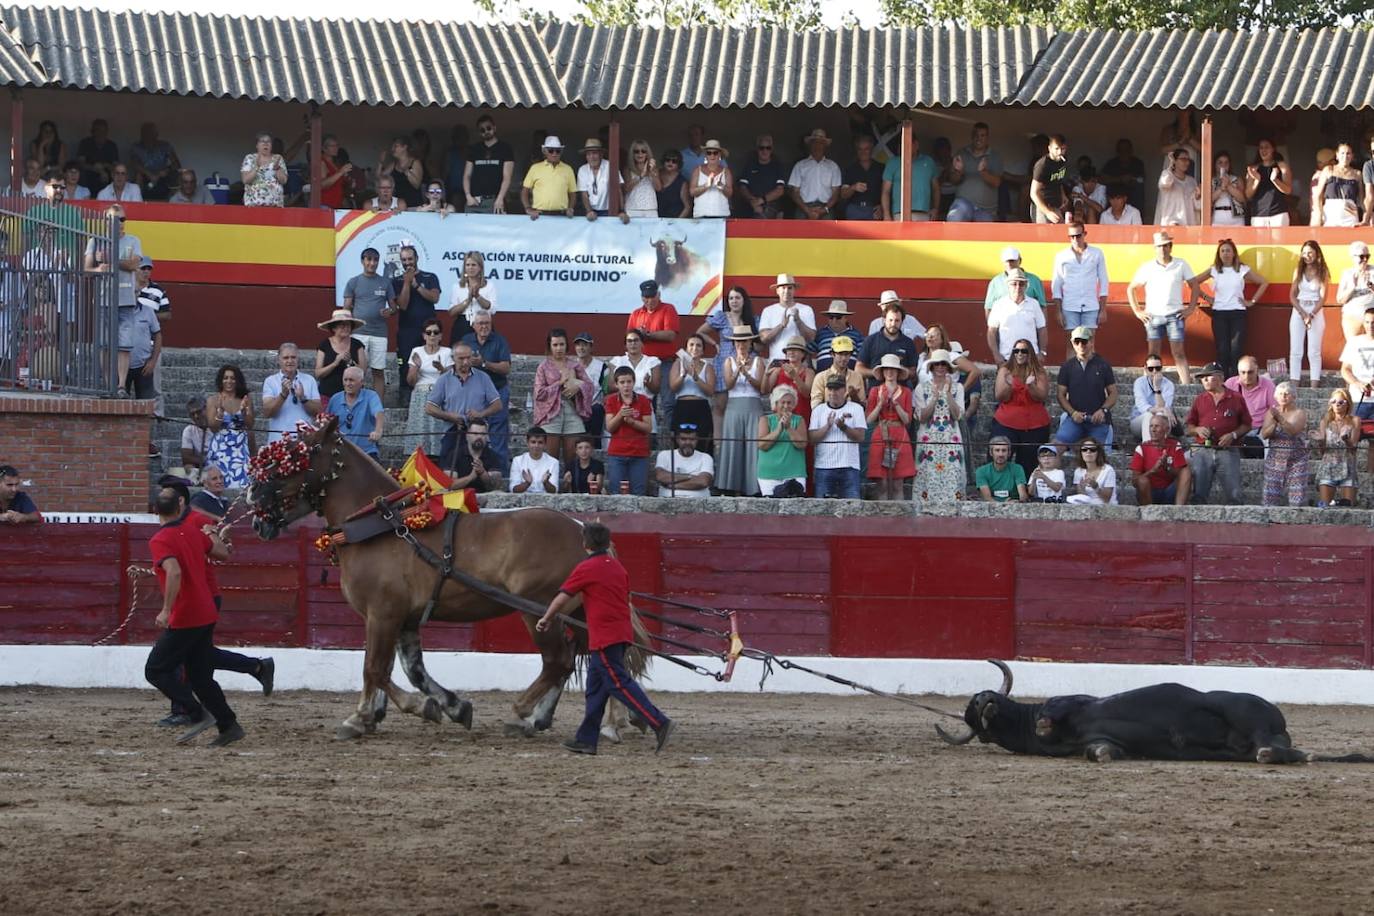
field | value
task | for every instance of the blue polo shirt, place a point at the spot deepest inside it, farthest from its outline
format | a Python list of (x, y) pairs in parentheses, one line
[(454, 395), (922, 173), (358, 421), (495, 350)]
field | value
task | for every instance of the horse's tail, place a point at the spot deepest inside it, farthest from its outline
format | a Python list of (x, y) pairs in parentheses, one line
[(636, 659)]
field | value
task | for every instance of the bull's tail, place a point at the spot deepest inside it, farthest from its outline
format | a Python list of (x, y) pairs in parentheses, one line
[(1340, 758)]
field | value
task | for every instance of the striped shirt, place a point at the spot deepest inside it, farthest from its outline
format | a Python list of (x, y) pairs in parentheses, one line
[(156, 297)]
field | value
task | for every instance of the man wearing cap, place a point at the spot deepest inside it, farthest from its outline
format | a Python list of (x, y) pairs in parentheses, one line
[(785, 318), (367, 296), (1163, 313), (1001, 480), (760, 187), (149, 293), (1216, 424), (1014, 318), (836, 429), (1119, 212), (594, 181), (1162, 475), (1086, 392), (1356, 290), (1080, 283), (597, 370), (997, 286), (815, 181), (684, 472), (657, 321), (146, 352), (836, 326), (911, 327), (923, 193), (841, 367), (550, 187)]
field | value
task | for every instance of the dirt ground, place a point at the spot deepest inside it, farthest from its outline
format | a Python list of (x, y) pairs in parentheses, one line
[(762, 804)]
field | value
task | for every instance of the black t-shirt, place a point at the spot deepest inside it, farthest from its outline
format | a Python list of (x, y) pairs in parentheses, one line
[(670, 199), (1053, 175), (104, 153), (487, 166), (580, 474), (332, 383), (877, 345), (24, 506), (418, 312), (873, 176), (1087, 385), (463, 464), (763, 177)]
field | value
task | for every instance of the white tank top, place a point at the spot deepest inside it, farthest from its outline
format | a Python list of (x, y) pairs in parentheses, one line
[(690, 388), (1311, 290), (743, 388), (712, 202)]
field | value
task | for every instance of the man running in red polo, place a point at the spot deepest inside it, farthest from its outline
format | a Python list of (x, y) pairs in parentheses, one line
[(605, 588)]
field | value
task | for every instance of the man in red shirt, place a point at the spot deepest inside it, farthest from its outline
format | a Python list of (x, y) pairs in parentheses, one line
[(180, 559), (605, 588), (629, 418), (1161, 469), (657, 321), (1217, 422)]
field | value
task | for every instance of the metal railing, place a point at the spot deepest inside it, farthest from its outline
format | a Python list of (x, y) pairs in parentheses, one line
[(59, 320)]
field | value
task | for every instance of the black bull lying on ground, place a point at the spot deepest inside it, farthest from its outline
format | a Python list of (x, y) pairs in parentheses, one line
[(1162, 722)]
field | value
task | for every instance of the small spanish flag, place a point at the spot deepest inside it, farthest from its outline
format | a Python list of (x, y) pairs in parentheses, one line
[(420, 468)]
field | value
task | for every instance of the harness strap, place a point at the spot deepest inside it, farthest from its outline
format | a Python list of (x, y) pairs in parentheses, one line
[(445, 569)]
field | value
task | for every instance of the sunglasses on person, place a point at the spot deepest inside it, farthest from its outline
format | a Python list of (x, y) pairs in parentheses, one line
[(1088, 448), (712, 152), (686, 427), (431, 332), (1362, 257), (435, 192), (1154, 368), (1021, 351), (765, 146), (672, 162)]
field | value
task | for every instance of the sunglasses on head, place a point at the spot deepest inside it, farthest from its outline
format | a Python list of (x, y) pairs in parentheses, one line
[(686, 427)]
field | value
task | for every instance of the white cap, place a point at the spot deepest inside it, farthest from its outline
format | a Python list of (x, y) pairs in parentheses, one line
[(1010, 254), (552, 142)]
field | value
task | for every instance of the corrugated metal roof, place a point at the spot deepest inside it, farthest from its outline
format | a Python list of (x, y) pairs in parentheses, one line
[(1316, 68), (763, 67), (361, 62), (16, 68)]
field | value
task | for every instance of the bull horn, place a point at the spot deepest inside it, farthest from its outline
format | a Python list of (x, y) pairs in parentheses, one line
[(955, 740), (1005, 689)]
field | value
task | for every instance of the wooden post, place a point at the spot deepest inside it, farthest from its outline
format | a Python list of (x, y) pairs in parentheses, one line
[(16, 140), (613, 157), (316, 153), (1204, 171), (904, 175)]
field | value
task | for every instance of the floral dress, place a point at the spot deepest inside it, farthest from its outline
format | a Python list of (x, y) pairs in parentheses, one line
[(940, 474), (264, 191), (229, 450)]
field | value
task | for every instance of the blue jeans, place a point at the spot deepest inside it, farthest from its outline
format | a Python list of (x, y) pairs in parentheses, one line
[(838, 483), (1074, 318), (1070, 431), (963, 211), (1169, 324), (621, 467)]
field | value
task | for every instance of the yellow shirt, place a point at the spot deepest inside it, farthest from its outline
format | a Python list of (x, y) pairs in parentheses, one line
[(853, 381), (552, 187)]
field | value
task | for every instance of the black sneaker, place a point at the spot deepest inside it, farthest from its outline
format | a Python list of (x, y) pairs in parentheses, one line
[(577, 747), (206, 721), (175, 720), (267, 670), (664, 732), (226, 738)]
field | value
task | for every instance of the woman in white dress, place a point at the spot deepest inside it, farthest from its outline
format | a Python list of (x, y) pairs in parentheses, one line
[(641, 182), (712, 184), (427, 363)]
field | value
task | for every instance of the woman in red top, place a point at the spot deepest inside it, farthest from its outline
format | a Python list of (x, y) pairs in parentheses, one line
[(604, 586), (890, 459), (629, 417), (338, 177), (1022, 387)]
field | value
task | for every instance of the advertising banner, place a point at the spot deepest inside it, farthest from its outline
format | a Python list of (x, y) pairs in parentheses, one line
[(552, 264)]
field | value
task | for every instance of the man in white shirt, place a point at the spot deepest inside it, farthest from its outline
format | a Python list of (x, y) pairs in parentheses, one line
[(594, 181), (1177, 204), (120, 188), (1119, 212), (1163, 313), (785, 318), (837, 427), (910, 326), (289, 396), (684, 472), (814, 185), (1079, 284), (1013, 318), (536, 471)]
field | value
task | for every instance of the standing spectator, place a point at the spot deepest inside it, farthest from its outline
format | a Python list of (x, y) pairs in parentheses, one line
[(1229, 303), (195, 441), (427, 363), (762, 185), (144, 354), (736, 311), (997, 286), (413, 294), (1180, 133), (684, 473), (550, 187), (264, 176), (562, 396), (154, 162), (229, 410), (455, 166), (911, 326), (1001, 480), (694, 153), (1086, 391), (1080, 283), (1163, 313), (1228, 193), (288, 395), (1258, 392), (97, 156), (692, 379), (1336, 197), (785, 318), (976, 176), (641, 182), (793, 372), (1095, 479), (737, 469), (657, 322), (1119, 212), (1152, 394), (1021, 391), (405, 169), (814, 184), (336, 185), (862, 187), (711, 184), (1160, 468), (1268, 184), (963, 370), (647, 370), (190, 190), (890, 459), (629, 420), (836, 429), (436, 199), (836, 326), (598, 372), (97, 260), (362, 419), (1307, 323), (938, 403), (887, 341), (386, 200), (338, 352), (1218, 421), (47, 148), (923, 195), (488, 170), (120, 189), (1015, 318), (535, 471), (1126, 172), (1284, 427), (16, 508), (594, 180), (1355, 293), (1367, 180), (458, 398), (1051, 180), (152, 295), (1357, 369), (475, 294), (673, 200), (491, 354), (584, 474), (32, 183), (1179, 194), (1337, 438), (367, 296), (782, 437)]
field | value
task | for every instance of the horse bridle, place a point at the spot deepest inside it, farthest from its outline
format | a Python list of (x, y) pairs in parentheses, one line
[(289, 456)]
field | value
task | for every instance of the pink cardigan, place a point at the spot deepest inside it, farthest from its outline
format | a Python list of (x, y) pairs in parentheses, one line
[(548, 391)]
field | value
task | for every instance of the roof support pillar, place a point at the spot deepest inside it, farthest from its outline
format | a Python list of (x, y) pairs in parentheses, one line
[(1204, 171), (16, 140), (316, 153), (904, 174), (613, 157)]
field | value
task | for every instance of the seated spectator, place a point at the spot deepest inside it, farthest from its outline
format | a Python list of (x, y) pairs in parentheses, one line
[(339, 351), (641, 182), (1355, 293), (629, 420), (1094, 479), (997, 286), (782, 438), (911, 326), (836, 431), (195, 441), (1357, 369), (550, 187), (474, 464), (923, 191), (362, 418), (584, 473), (16, 508), (711, 184), (71, 187), (1013, 318), (594, 181), (264, 175), (386, 200), (97, 155), (1217, 422), (47, 148), (562, 395), (890, 459), (684, 472), (1089, 197), (1153, 394), (436, 200), (1338, 435), (1086, 392), (762, 185), (536, 471), (120, 188), (1001, 480), (210, 500), (1284, 427), (976, 175), (154, 163), (814, 184), (861, 190), (32, 183), (1160, 467), (1127, 173), (190, 191), (1259, 395), (1046, 483), (1118, 211)]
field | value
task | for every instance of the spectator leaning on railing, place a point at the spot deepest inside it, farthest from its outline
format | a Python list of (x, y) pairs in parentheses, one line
[(550, 187), (684, 472), (16, 508), (488, 170)]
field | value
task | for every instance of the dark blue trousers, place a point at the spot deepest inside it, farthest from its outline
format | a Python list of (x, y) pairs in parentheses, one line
[(606, 678)]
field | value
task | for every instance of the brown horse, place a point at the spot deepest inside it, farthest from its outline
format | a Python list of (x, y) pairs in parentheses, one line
[(526, 552)]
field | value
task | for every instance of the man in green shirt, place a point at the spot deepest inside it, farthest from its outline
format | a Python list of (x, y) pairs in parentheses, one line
[(1001, 480), (997, 286)]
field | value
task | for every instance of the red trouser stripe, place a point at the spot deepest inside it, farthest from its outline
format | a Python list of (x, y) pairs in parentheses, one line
[(625, 694)]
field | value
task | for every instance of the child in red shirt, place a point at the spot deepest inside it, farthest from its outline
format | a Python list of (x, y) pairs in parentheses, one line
[(629, 419), (605, 588)]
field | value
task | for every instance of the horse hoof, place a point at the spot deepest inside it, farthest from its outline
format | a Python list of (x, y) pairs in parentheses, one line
[(432, 711), (464, 716), (347, 732), (519, 730), (611, 734)]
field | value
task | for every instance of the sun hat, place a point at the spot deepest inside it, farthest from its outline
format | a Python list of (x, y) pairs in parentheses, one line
[(338, 316), (741, 332), (891, 361), (889, 295), (1162, 239), (794, 343), (714, 145), (785, 280), (552, 142), (838, 307), (818, 134), (939, 356)]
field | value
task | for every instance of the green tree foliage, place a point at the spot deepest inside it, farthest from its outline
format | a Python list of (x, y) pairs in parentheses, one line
[(786, 14), (1067, 15)]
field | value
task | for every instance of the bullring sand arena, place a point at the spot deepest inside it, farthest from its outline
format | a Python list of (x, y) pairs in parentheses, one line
[(763, 803)]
